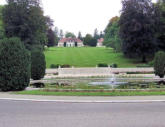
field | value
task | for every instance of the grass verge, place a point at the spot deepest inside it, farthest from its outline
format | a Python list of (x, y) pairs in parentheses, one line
[(114, 93)]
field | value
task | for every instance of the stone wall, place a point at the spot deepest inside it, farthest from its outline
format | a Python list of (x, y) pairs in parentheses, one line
[(70, 72)]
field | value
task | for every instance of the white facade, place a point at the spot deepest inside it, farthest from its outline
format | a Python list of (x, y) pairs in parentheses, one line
[(70, 42)]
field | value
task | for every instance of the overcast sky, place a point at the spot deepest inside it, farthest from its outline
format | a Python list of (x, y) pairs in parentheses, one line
[(81, 15)]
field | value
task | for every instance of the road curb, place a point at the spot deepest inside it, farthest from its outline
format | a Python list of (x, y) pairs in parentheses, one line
[(84, 101)]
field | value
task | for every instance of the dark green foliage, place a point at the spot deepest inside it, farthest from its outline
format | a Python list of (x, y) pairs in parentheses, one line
[(159, 64), (161, 26), (80, 36), (138, 28), (38, 65), (51, 38), (102, 65), (25, 19), (96, 35), (1, 24), (65, 66), (54, 66), (69, 34), (14, 65), (114, 65), (111, 38), (90, 41)]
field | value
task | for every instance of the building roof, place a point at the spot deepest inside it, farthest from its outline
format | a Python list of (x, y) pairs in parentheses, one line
[(100, 40), (70, 39)]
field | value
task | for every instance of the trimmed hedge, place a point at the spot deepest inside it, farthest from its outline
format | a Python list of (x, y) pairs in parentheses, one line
[(159, 64), (65, 66), (14, 65), (54, 66), (38, 64), (102, 65)]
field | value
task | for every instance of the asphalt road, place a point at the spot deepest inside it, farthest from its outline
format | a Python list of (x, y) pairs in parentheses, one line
[(51, 114)]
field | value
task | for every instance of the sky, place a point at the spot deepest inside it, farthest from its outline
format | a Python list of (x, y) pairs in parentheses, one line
[(81, 15)]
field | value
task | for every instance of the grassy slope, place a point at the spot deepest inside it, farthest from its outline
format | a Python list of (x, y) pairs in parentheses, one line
[(86, 57)]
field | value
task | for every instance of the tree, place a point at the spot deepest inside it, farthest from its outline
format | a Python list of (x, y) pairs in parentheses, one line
[(56, 32), (80, 36), (25, 19), (51, 38), (90, 41), (1, 23), (159, 64), (69, 34), (96, 35), (137, 28), (111, 38), (38, 64), (160, 5), (61, 34), (101, 34), (15, 65)]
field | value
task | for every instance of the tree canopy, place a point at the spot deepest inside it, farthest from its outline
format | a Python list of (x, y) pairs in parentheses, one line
[(137, 28), (111, 37), (25, 19), (69, 34)]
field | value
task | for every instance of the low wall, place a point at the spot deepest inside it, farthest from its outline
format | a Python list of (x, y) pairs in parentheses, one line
[(96, 71)]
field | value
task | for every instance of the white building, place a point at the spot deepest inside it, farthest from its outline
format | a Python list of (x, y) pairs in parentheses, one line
[(70, 42), (100, 42)]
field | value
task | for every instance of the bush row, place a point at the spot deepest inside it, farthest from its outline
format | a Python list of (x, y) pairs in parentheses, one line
[(69, 66), (106, 65)]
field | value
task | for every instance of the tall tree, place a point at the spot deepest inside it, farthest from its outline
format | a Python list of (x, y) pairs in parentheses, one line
[(80, 36), (1, 23), (161, 26), (96, 35), (25, 19), (61, 34), (56, 31), (51, 38), (111, 38), (137, 28)]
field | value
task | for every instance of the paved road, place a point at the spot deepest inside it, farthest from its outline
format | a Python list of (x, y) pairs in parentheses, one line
[(50, 114)]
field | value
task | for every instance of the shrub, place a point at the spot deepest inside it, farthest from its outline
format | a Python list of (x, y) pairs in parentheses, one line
[(159, 64), (14, 65), (65, 66), (114, 65), (38, 64), (102, 65), (151, 64), (54, 66)]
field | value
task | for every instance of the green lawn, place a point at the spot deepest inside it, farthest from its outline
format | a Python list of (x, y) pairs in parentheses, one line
[(114, 93), (86, 57)]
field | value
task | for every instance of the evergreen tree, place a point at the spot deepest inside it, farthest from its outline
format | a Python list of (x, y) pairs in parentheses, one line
[(137, 28), (38, 64), (51, 38), (96, 35), (61, 34), (15, 65), (80, 36)]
